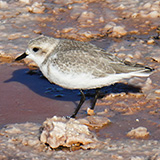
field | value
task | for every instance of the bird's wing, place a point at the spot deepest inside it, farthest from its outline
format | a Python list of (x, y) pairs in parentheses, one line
[(80, 57), (79, 61)]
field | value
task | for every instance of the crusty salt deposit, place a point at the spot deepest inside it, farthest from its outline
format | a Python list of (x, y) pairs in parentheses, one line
[(21, 141), (59, 131), (36, 8), (140, 132), (3, 4), (25, 1), (80, 20), (95, 122)]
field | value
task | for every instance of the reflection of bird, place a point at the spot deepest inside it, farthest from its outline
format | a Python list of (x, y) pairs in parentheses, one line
[(79, 65)]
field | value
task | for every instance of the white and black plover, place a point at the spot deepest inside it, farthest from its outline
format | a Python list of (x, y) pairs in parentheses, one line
[(79, 65)]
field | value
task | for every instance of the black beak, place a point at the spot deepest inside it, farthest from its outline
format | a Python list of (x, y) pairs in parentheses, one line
[(21, 57)]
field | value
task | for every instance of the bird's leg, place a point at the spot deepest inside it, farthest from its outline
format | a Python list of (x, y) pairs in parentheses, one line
[(79, 105), (95, 98)]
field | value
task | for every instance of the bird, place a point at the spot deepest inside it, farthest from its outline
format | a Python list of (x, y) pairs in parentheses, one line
[(79, 65)]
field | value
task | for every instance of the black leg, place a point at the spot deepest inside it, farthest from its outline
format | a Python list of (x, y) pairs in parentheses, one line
[(95, 98), (79, 105)]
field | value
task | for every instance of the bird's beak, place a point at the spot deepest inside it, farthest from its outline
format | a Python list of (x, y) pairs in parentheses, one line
[(21, 57)]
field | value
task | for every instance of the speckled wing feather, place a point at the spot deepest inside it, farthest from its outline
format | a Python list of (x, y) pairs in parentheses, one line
[(75, 57)]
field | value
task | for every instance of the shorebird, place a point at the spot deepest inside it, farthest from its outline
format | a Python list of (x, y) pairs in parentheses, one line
[(79, 65)]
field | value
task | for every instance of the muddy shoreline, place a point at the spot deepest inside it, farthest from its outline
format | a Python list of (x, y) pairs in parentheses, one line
[(129, 30)]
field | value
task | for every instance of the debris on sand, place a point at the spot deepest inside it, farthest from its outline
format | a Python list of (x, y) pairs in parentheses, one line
[(140, 132), (64, 132)]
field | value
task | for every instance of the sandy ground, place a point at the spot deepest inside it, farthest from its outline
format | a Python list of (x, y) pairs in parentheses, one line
[(126, 29)]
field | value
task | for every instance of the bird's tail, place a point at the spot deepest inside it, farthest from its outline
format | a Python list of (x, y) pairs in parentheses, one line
[(128, 67)]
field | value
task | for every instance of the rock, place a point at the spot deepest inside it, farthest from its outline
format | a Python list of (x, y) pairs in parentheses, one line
[(113, 30), (85, 16), (150, 41), (140, 132), (95, 122), (59, 131), (119, 31), (153, 14), (14, 36), (3, 4), (108, 27), (90, 112), (25, 1), (36, 8), (157, 91)]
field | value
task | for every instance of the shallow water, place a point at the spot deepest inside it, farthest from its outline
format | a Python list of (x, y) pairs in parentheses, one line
[(31, 98)]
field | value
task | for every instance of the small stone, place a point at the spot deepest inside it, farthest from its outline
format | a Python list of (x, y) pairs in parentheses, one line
[(3, 4), (25, 1), (14, 36), (150, 41), (134, 15), (147, 5), (101, 19), (85, 16), (154, 14), (119, 31), (109, 26), (25, 36), (68, 29), (37, 31), (59, 131), (157, 91), (90, 112), (13, 130), (97, 122), (75, 13), (140, 132), (36, 8), (134, 31)]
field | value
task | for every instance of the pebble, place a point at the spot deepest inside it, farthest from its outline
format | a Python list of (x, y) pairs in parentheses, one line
[(101, 19), (150, 41), (37, 31), (86, 16), (90, 112), (119, 31), (68, 29), (140, 132), (88, 34), (75, 13), (3, 4), (147, 5), (134, 15), (157, 91), (37, 7), (14, 36), (154, 14), (109, 26), (25, 1), (58, 131)]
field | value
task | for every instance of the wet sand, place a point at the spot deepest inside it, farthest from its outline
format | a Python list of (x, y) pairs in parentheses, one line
[(29, 98)]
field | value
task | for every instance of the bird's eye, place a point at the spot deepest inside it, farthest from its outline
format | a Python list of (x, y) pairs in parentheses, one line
[(35, 49)]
